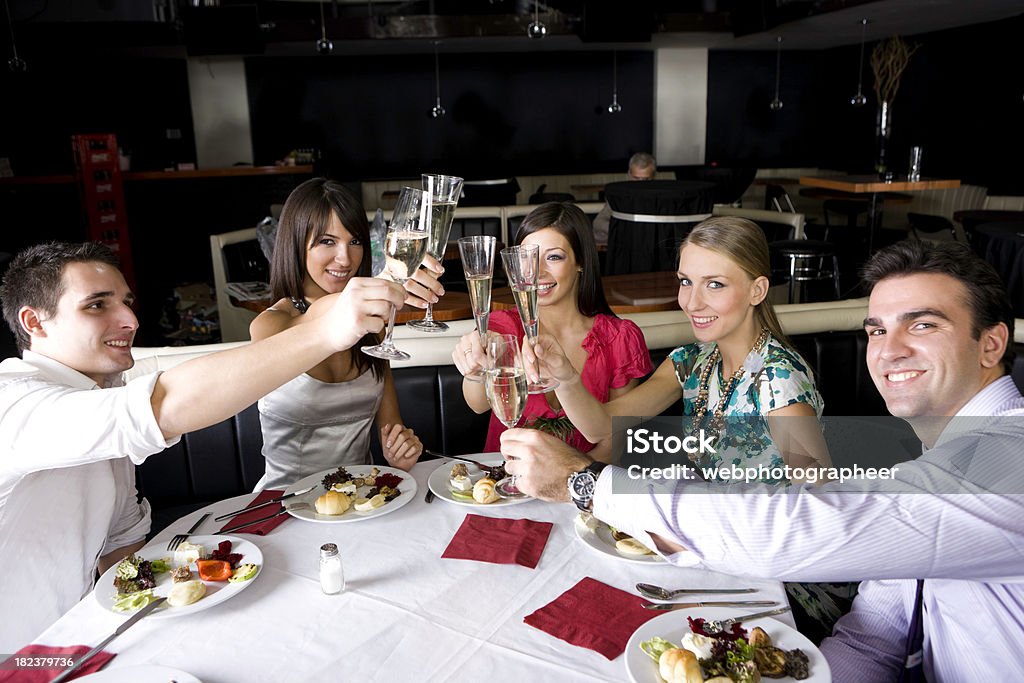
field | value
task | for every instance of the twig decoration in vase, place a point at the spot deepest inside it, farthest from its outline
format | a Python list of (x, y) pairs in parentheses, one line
[(888, 60)]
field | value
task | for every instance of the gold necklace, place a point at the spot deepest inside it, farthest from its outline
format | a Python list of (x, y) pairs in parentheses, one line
[(700, 404)]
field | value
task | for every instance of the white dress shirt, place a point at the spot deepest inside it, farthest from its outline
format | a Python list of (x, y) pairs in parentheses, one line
[(969, 545), (67, 493)]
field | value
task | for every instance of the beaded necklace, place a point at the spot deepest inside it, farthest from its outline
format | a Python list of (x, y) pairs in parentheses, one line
[(700, 404)]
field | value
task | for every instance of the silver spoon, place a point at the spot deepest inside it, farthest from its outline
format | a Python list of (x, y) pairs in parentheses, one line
[(649, 590)]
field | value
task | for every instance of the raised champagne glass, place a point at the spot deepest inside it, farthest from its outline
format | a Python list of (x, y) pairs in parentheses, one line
[(404, 248), (505, 384), (444, 194), (477, 254), (522, 265)]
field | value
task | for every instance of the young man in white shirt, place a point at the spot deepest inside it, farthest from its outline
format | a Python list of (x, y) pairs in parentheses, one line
[(939, 327), (67, 492)]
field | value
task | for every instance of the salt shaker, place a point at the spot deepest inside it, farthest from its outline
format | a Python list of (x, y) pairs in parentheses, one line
[(332, 577)]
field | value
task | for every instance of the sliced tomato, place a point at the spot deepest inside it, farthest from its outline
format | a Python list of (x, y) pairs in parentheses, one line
[(214, 570)]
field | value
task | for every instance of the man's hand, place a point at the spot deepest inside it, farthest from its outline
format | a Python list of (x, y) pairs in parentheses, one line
[(424, 286), (547, 357), (401, 446), (541, 462), (362, 308)]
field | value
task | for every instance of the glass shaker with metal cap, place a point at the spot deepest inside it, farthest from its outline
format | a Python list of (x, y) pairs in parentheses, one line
[(332, 577)]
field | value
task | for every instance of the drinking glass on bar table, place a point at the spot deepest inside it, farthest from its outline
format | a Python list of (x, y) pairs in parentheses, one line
[(522, 265), (477, 254), (404, 248), (444, 194)]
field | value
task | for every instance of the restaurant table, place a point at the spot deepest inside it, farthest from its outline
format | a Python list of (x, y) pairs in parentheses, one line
[(1002, 245), (406, 614), (626, 293), (970, 219), (871, 185)]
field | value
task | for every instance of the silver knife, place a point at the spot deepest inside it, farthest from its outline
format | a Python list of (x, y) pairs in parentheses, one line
[(690, 605), (79, 661), (264, 504)]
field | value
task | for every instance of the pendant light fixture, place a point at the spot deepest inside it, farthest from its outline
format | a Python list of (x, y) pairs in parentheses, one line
[(437, 111), (859, 100), (776, 103), (615, 107), (15, 63), (536, 30), (323, 46)]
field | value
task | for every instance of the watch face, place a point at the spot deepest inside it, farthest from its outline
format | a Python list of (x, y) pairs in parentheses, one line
[(583, 486)]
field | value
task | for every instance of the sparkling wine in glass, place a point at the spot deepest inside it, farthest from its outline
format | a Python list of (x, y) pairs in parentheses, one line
[(444, 194), (505, 384), (405, 245), (477, 254), (522, 264)]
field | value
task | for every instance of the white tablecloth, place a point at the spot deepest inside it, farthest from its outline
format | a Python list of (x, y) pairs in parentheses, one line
[(406, 614)]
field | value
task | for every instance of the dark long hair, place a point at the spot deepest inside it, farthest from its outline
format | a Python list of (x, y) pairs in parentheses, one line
[(305, 218), (571, 223)]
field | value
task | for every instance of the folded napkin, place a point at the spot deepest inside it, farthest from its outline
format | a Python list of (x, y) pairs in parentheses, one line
[(593, 615), (499, 541), (263, 528), (31, 672)]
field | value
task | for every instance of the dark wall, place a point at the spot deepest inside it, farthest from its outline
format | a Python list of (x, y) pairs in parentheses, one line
[(507, 113)]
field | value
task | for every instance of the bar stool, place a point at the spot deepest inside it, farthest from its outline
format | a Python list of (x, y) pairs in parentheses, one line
[(801, 261), (850, 208)]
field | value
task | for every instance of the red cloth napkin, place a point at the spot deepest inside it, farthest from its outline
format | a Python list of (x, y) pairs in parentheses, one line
[(593, 615), (499, 541), (28, 672), (263, 528)]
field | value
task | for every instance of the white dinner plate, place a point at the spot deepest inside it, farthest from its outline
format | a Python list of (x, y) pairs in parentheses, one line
[(438, 482), (216, 591), (144, 673), (672, 626), (598, 537), (407, 487)]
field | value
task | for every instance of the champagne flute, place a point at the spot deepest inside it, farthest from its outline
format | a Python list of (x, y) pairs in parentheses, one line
[(478, 264), (404, 248), (505, 385), (444, 194), (522, 264)]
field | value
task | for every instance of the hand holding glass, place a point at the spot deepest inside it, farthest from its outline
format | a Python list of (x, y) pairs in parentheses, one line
[(522, 264), (478, 264), (404, 248), (505, 384), (444, 194)]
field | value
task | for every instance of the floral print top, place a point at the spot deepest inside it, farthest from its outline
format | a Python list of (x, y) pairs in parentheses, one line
[(773, 379)]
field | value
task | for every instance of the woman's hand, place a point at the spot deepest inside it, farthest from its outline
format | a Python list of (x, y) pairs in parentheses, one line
[(469, 354), (401, 446), (424, 285), (546, 357)]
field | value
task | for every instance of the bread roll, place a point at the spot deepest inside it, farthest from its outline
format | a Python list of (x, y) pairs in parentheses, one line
[(679, 666), (631, 546), (483, 491), (332, 503), (186, 593)]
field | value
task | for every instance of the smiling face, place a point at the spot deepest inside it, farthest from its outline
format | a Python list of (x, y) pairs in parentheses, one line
[(717, 295), (558, 279), (922, 354), (331, 260), (93, 327)]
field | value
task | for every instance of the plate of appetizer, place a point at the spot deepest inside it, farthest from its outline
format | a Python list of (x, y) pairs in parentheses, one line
[(143, 673), (352, 493), (675, 645), (607, 540), (465, 484), (202, 572)]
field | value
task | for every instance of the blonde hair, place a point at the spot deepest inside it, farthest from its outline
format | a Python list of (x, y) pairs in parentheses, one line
[(743, 243)]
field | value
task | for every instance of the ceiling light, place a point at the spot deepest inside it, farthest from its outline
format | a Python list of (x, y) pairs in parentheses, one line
[(536, 29), (323, 46), (776, 103), (859, 100), (615, 107), (437, 111)]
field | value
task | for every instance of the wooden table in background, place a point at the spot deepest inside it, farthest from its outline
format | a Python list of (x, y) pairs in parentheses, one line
[(627, 293), (452, 306)]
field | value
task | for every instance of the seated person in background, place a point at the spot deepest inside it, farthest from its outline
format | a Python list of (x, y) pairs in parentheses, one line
[(322, 418), (949, 558), (642, 166), (68, 423), (610, 352), (741, 365)]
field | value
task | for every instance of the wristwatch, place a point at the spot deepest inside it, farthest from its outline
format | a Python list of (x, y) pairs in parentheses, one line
[(581, 485)]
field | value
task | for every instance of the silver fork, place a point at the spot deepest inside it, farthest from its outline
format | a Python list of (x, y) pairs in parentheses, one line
[(716, 626), (178, 539)]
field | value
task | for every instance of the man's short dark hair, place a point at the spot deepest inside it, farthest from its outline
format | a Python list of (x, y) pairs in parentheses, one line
[(987, 297), (35, 278)]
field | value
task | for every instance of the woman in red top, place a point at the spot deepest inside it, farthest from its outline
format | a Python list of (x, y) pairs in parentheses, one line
[(611, 351)]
